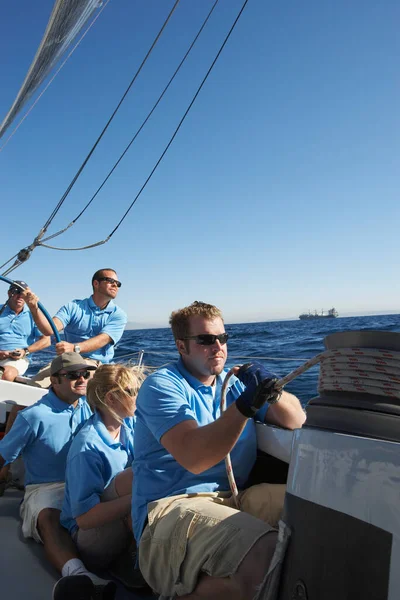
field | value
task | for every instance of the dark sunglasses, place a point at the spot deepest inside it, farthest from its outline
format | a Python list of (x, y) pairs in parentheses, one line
[(110, 280), (207, 339), (15, 291), (74, 375)]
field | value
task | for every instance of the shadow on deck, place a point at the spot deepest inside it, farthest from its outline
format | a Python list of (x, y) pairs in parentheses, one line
[(25, 571)]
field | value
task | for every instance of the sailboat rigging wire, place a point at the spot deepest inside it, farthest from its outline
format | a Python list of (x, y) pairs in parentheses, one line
[(138, 130), (27, 251), (183, 118), (6, 263), (11, 269), (99, 243), (14, 131), (69, 188), (37, 241)]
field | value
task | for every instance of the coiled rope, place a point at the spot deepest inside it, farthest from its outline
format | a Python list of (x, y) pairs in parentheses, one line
[(365, 370)]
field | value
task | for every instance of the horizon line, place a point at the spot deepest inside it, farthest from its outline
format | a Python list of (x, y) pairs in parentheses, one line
[(144, 325)]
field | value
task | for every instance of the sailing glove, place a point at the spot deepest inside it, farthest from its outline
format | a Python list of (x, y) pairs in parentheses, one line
[(260, 388)]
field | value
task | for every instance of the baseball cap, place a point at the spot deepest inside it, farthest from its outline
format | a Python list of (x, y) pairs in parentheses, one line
[(17, 285), (69, 361)]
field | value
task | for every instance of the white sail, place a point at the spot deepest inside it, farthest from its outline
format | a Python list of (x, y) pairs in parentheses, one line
[(66, 20)]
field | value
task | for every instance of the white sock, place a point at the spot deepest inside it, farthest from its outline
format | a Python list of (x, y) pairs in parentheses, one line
[(76, 567)]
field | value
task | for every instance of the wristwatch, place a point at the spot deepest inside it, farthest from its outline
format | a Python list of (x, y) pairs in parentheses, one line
[(26, 352), (77, 348)]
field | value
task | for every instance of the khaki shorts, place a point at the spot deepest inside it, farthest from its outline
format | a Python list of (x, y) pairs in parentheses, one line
[(42, 378), (99, 546), (190, 534), (21, 364), (39, 496)]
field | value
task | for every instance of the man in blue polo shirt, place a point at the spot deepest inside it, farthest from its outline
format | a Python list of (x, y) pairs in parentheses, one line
[(19, 335), (42, 435), (91, 326), (196, 540)]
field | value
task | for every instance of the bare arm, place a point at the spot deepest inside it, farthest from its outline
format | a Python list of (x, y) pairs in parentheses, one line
[(200, 448), (43, 325), (41, 322), (105, 512), (287, 413), (41, 343), (94, 343)]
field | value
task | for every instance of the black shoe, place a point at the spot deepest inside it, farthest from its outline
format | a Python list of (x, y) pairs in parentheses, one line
[(3, 486), (123, 569), (82, 587)]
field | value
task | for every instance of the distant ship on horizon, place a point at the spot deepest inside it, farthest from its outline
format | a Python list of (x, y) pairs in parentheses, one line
[(331, 314)]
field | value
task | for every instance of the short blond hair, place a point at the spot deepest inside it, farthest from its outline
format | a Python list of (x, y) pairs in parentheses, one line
[(180, 319), (114, 378)]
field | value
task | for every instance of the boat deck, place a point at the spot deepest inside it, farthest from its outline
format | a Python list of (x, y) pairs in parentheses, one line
[(25, 571)]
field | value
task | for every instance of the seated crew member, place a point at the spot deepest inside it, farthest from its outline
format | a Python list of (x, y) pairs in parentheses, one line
[(19, 335), (98, 477), (92, 326), (194, 542), (42, 435)]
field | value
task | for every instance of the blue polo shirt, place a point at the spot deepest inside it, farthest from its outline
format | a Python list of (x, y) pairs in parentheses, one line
[(17, 331), (83, 319), (93, 461), (42, 435), (166, 398)]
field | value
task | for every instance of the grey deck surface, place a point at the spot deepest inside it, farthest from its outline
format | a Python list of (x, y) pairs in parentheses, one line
[(25, 572)]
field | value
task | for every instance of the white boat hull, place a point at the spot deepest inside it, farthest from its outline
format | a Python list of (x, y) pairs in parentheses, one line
[(275, 441), (358, 477), (17, 393)]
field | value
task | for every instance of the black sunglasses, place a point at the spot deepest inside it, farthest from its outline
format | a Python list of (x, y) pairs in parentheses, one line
[(15, 291), (110, 280), (74, 375), (208, 339)]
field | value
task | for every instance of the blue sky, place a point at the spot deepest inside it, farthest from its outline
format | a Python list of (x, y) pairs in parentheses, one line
[(280, 192)]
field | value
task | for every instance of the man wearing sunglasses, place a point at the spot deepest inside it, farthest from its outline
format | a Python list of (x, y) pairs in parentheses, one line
[(19, 335), (91, 326), (42, 435), (194, 540)]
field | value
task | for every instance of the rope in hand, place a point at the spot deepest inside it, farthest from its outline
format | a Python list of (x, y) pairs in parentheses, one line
[(363, 370)]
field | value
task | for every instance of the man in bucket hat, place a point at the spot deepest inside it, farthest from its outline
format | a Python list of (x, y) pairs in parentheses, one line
[(19, 335), (42, 435)]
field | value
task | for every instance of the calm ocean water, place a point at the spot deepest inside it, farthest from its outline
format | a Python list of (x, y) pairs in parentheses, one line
[(280, 345)]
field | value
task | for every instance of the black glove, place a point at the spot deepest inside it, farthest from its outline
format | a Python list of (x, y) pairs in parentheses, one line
[(260, 388)]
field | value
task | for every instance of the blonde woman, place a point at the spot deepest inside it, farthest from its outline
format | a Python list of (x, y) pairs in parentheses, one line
[(98, 482)]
